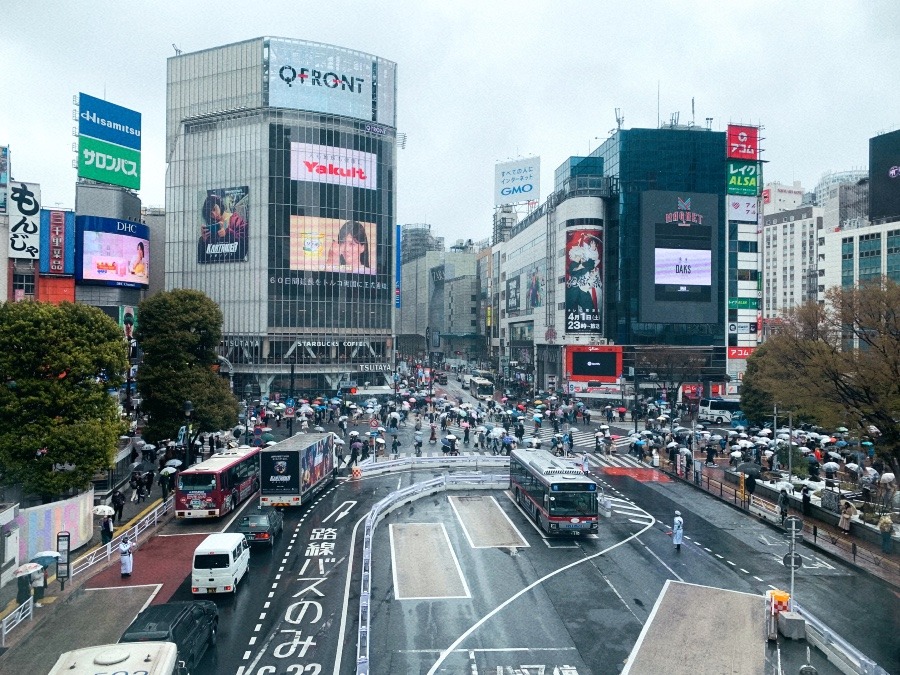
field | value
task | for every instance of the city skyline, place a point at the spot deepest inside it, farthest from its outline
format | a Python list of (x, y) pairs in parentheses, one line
[(503, 84)]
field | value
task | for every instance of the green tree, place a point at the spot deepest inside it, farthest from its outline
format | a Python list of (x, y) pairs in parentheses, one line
[(178, 332), (756, 403), (58, 423), (838, 363)]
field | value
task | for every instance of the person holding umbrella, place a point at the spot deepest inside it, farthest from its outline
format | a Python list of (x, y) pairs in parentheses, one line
[(106, 529)]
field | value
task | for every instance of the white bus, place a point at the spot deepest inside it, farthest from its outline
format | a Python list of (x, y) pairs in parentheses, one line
[(481, 388), (125, 658), (718, 410)]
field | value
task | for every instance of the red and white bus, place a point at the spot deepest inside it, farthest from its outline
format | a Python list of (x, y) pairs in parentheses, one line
[(213, 488), (554, 492)]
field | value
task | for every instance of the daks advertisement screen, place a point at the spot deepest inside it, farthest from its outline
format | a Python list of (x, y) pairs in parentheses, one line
[(112, 252), (678, 242)]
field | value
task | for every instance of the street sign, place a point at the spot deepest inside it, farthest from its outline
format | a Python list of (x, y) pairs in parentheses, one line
[(792, 560), (289, 402), (373, 422), (793, 524), (289, 411)]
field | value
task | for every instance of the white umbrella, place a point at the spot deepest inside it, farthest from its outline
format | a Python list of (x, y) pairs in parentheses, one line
[(673, 444), (736, 453), (354, 433), (765, 432), (715, 437), (342, 418), (338, 440), (731, 432), (831, 466), (271, 443), (149, 446), (852, 466), (266, 429), (174, 462), (27, 568), (835, 455), (886, 478), (768, 453), (169, 470), (103, 510), (646, 432), (317, 428), (604, 426), (745, 443), (742, 435), (450, 437), (395, 415)]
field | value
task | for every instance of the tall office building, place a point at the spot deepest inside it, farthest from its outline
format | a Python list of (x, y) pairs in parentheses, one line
[(280, 205)]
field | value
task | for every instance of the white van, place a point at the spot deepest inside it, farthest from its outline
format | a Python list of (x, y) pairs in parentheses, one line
[(220, 562)]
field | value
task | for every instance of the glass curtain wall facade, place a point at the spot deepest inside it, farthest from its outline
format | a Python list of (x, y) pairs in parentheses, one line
[(285, 216)]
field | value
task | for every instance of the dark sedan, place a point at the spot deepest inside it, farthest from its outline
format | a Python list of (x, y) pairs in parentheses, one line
[(262, 526)]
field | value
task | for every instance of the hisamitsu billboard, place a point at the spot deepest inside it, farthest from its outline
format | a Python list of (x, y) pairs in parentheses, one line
[(108, 122)]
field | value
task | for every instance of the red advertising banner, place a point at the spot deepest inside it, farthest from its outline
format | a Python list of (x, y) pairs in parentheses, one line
[(692, 390), (740, 352), (594, 364), (57, 242), (743, 142)]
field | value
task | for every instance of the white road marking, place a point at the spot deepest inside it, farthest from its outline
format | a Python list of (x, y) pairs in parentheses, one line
[(257, 628), (730, 563), (345, 612), (252, 641), (720, 557), (246, 655), (662, 562), (757, 578), (744, 571)]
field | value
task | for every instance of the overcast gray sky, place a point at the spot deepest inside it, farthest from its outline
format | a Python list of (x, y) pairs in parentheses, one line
[(481, 82)]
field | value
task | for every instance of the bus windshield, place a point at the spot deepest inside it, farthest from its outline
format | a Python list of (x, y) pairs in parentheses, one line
[(573, 504), (197, 481)]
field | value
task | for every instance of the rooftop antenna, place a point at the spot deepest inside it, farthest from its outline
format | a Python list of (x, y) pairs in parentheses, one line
[(177, 51), (620, 118), (692, 111)]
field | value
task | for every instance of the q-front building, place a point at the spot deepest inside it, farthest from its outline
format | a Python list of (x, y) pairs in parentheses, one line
[(280, 206)]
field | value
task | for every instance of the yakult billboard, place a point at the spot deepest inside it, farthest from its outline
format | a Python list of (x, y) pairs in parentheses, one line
[(340, 166), (518, 181)]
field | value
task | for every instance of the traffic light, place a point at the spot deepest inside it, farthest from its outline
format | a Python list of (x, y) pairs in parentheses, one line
[(352, 390)]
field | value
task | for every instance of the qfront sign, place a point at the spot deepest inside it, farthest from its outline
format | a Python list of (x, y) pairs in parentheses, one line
[(328, 79)]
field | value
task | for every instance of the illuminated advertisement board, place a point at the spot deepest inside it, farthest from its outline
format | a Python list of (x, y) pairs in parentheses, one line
[(4, 176), (224, 232), (109, 143), (332, 245), (884, 176), (24, 220), (679, 235), (517, 181), (741, 209), (599, 364), (534, 286), (112, 252), (328, 79), (584, 281), (57, 243), (513, 294), (742, 142), (339, 166), (743, 178)]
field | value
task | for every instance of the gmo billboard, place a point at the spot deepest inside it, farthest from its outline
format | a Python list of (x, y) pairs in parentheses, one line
[(884, 176), (328, 79), (109, 143), (518, 181), (679, 241), (112, 252)]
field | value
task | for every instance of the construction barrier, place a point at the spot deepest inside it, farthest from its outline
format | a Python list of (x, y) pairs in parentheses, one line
[(356, 472), (776, 602)]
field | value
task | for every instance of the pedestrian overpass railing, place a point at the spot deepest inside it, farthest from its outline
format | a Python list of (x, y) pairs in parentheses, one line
[(842, 653), (24, 612), (395, 500), (475, 462)]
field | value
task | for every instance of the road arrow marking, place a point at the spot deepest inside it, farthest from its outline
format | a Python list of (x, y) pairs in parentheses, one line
[(342, 513)]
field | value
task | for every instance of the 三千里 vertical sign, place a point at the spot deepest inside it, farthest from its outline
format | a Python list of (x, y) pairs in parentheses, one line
[(109, 143)]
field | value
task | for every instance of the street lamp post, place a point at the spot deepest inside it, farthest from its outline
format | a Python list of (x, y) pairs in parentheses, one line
[(188, 408)]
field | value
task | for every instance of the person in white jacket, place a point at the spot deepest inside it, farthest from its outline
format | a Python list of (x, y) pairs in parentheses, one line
[(677, 530)]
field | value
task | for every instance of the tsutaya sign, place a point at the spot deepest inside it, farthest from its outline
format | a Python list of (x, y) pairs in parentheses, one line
[(374, 367)]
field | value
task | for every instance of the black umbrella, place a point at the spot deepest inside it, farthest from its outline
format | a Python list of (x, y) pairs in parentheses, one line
[(749, 468)]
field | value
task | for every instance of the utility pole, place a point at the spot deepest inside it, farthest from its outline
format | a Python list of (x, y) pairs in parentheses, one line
[(791, 459)]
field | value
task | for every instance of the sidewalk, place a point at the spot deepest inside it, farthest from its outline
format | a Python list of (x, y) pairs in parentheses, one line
[(131, 514)]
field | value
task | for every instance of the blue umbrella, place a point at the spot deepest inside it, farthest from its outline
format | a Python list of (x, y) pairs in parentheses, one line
[(868, 444), (507, 439), (538, 418), (841, 444)]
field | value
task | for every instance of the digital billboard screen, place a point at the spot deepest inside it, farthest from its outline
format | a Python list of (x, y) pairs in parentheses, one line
[(280, 472), (592, 363), (338, 166), (584, 281), (328, 79), (679, 240), (332, 245), (224, 232), (112, 252), (884, 176)]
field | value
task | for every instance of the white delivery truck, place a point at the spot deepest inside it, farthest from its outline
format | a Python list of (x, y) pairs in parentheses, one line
[(129, 658), (295, 469)]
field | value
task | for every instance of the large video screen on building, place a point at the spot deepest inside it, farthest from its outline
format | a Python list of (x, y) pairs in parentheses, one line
[(584, 281), (331, 226), (112, 252), (332, 245), (679, 244), (328, 79), (599, 363), (884, 176)]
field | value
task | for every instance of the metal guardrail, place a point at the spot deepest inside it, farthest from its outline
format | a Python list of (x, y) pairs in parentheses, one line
[(835, 646), (397, 499), (106, 551), (23, 612)]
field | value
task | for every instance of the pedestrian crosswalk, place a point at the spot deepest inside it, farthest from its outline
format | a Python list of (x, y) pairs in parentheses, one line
[(583, 436), (595, 459)]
